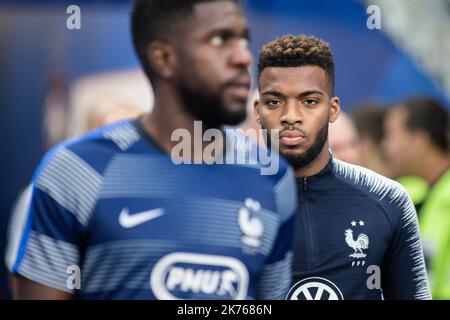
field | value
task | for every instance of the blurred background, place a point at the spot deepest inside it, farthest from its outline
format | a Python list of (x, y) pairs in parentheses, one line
[(57, 83)]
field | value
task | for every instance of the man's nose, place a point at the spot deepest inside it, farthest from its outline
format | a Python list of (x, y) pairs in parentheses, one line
[(291, 114), (241, 56)]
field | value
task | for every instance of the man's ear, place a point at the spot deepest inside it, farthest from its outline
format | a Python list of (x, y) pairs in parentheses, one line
[(256, 110), (335, 109), (162, 59)]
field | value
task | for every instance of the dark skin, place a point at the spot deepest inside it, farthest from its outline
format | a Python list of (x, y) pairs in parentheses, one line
[(25, 289), (297, 98), (215, 45), (217, 52)]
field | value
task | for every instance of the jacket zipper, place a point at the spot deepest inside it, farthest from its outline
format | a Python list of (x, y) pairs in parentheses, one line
[(309, 230)]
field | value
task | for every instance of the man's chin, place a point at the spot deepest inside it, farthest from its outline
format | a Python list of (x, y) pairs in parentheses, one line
[(224, 120), (294, 152), (234, 116), (222, 115), (298, 158)]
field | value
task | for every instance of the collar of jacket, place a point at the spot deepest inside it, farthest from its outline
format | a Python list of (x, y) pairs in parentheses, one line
[(325, 171)]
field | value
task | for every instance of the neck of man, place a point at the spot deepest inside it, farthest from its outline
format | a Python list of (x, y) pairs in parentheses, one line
[(168, 115), (315, 166), (434, 163)]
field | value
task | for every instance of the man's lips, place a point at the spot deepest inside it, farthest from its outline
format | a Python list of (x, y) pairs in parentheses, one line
[(291, 138)]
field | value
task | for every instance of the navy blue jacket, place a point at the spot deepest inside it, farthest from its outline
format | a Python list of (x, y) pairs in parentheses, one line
[(357, 237)]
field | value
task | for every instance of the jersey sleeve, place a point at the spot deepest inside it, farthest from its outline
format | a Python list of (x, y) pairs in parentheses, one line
[(46, 232), (404, 275), (276, 277)]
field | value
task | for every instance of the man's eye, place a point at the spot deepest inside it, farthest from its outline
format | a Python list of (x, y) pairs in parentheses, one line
[(217, 41), (272, 103), (310, 102), (243, 42)]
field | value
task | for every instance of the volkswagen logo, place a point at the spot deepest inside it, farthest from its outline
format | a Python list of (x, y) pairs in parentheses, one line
[(315, 288)]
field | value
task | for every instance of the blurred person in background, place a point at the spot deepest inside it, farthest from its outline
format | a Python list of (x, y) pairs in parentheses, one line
[(416, 143), (344, 140), (114, 206), (369, 118), (109, 109)]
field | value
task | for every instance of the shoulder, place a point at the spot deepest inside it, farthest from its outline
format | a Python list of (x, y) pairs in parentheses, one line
[(266, 167), (91, 151), (71, 173), (243, 150), (389, 194)]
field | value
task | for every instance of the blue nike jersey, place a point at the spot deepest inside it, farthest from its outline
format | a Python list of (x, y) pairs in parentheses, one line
[(112, 217), (356, 237)]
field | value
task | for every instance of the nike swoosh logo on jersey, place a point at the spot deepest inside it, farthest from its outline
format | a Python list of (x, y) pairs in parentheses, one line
[(130, 221)]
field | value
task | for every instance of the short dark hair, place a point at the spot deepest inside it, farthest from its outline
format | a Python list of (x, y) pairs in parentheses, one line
[(154, 19), (429, 115), (298, 51), (368, 117)]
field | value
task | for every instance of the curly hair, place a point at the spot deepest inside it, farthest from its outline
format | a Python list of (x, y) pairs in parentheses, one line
[(298, 51)]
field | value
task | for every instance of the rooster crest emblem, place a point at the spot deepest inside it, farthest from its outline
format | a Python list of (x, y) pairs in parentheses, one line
[(250, 223), (362, 242)]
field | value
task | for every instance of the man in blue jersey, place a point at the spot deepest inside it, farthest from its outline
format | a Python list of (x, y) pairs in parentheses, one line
[(356, 235), (112, 216)]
